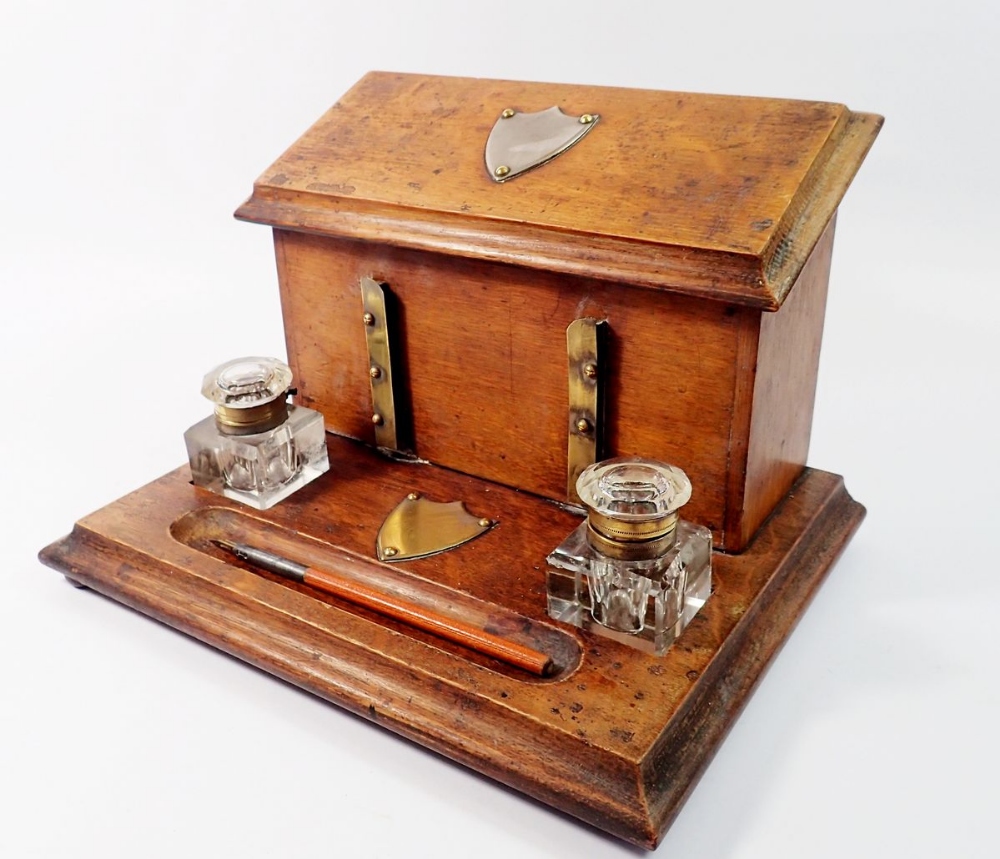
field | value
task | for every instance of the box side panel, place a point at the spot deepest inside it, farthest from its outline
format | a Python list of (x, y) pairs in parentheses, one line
[(485, 367), (747, 348), (785, 391)]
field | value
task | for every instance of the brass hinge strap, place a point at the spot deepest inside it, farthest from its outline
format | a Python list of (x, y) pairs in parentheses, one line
[(586, 418), (379, 363)]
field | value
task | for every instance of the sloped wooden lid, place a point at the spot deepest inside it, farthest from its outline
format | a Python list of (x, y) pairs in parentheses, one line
[(715, 196)]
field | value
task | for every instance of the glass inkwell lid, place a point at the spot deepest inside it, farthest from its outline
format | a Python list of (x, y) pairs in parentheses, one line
[(632, 506), (250, 394)]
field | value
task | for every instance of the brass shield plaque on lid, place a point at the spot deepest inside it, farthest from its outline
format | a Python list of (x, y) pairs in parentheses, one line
[(520, 141)]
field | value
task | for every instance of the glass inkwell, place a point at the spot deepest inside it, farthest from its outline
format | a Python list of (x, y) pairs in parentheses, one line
[(634, 571), (257, 448)]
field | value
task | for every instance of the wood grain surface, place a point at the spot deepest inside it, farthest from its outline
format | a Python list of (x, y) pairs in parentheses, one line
[(616, 737), (717, 196)]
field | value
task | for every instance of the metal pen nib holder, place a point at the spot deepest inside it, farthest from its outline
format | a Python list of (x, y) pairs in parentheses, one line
[(634, 571)]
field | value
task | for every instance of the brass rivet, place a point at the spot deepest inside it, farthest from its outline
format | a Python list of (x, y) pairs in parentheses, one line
[(586, 119), (375, 372), (389, 551), (590, 371), (413, 496), (377, 419), (485, 523), (507, 114), (369, 318), (502, 170), (583, 425)]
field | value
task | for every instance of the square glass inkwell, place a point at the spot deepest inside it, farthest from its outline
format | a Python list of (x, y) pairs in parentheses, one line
[(256, 448), (634, 570)]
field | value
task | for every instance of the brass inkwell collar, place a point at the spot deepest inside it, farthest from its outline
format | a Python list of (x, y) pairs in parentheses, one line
[(632, 506), (250, 394)]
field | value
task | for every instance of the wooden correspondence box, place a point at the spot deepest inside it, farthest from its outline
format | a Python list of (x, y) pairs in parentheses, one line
[(698, 231), (700, 228)]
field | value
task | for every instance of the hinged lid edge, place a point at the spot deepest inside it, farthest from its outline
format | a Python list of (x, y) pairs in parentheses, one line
[(816, 202), (736, 278)]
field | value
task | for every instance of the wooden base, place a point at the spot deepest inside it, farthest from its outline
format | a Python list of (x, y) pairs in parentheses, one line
[(616, 737)]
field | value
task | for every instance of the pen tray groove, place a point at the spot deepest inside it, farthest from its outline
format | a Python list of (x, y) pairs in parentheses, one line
[(198, 528)]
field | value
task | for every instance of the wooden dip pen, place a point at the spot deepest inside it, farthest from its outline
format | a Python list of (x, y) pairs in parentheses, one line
[(449, 628)]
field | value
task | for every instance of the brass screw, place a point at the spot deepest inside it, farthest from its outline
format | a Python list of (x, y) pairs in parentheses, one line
[(485, 523), (586, 119), (377, 419), (590, 370), (507, 114), (369, 318), (413, 496), (389, 551), (502, 170), (375, 373), (583, 425)]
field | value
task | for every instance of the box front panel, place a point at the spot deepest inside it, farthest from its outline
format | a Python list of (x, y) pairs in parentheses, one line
[(484, 366)]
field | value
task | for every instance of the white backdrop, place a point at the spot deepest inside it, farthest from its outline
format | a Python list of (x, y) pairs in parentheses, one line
[(128, 134)]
